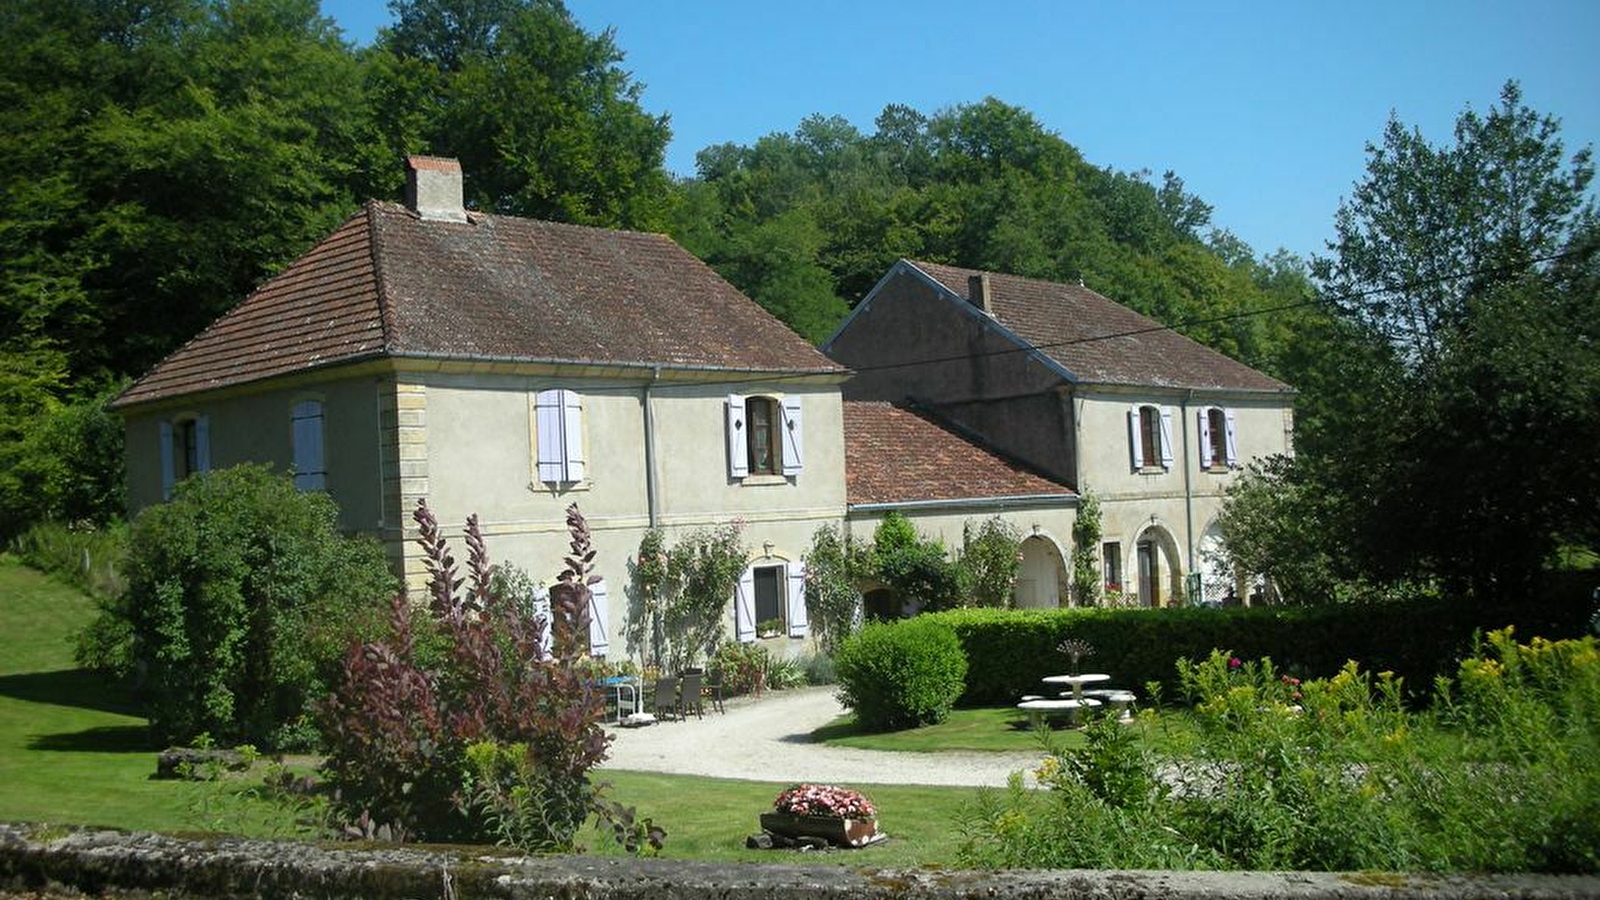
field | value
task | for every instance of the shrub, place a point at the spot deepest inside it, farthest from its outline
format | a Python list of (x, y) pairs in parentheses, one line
[(241, 595), (913, 567), (900, 674), (1501, 775), (988, 564), (495, 737), (833, 604), (742, 667), (88, 557)]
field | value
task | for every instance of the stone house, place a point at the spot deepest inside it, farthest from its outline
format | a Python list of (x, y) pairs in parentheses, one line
[(508, 367), (1087, 393)]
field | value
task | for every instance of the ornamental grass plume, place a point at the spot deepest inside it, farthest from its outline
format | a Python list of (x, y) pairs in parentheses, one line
[(825, 800)]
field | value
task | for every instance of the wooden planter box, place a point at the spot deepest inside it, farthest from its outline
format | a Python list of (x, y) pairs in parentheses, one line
[(839, 832)]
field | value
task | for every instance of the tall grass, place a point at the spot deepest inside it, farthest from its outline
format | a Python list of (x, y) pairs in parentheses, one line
[(88, 558)]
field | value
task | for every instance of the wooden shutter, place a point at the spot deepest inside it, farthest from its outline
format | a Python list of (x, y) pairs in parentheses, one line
[(547, 421), (738, 444), (572, 436), (599, 626), (1204, 419), (792, 436), (167, 474), (744, 608), (1232, 441), (540, 604), (799, 624), (1166, 437), (1135, 439), (308, 450), (202, 444)]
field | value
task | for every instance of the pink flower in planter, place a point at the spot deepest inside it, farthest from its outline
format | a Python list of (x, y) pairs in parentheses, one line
[(824, 800)]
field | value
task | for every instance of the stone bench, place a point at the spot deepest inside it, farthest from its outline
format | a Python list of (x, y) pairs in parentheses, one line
[(1040, 710), (1120, 701)]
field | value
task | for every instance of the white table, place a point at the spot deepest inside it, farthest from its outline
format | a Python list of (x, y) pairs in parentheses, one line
[(1076, 681)]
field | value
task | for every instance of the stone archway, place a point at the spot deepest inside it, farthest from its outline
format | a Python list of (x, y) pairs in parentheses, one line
[(1157, 573), (1038, 584), (1218, 586)]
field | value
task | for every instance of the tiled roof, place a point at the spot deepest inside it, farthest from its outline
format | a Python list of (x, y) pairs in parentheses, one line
[(495, 288), (894, 455), (1071, 324)]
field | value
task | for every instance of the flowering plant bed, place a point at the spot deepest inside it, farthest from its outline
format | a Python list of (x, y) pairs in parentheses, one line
[(824, 800), (838, 815)]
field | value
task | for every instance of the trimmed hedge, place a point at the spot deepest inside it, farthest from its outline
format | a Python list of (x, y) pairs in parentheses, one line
[(895, 675), (1009, 651)]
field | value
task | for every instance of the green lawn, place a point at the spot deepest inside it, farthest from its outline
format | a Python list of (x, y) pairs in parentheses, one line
[(73, 751)]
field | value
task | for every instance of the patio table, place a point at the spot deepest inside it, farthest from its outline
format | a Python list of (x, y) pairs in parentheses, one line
[(624, 686), (1076, 681)]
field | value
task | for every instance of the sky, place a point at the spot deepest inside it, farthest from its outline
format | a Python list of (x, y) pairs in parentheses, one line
[(1264, 109)]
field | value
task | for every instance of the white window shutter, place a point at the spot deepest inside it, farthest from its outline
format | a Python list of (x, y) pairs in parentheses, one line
[(793, 440), (1134, 441), (1233, 442), (202, 444), (738, 446), (547, 421), (572, 435), (167, 474), (744, 608), (1203, 418), (599, 626), (1166, 437), (799, 624)]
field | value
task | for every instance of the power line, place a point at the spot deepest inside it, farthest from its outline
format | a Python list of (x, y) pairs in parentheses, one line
[(1154, 328)]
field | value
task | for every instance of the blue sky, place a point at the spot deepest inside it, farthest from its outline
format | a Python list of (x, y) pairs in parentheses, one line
[(1264, 109)]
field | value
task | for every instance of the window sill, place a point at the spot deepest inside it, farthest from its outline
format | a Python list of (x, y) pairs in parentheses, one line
[(758, 480), (557, 488), (1151, 470)]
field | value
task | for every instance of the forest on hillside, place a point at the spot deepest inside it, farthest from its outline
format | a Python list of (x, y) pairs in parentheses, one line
[(164, 158)]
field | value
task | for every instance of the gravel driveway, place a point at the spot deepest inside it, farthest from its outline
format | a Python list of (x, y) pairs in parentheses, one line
[(769, 739)]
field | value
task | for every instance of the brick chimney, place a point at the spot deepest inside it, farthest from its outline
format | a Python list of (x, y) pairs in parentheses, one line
[(433, 189), (979, 293)]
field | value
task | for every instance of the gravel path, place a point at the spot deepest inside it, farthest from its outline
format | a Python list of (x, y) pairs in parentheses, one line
[(769, 739)]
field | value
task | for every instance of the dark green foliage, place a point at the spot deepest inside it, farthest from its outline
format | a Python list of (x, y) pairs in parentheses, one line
[(540, 113), (806, 222), (895, 675), (1448, 410), (59, 462), (988, 563), (915, 568), (743, 668), (241, 596), (834, 566), (1008, 651)]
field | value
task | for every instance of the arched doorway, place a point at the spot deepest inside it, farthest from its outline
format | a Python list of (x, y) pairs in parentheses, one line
[(1217, 582), (1038, 583), (1157, 573)]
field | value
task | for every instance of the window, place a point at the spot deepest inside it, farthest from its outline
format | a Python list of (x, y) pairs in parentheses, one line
[(1150, 437), (1218, 446), (558, 421), (310, 473), (185, 450), (764, 436), (1111, 565), (764, 443), (770, 600)]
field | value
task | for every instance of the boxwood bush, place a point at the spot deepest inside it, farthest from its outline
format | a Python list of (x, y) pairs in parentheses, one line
[(901, 674)]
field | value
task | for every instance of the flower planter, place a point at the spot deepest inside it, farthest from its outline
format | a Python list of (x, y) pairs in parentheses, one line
[(836, 831)]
